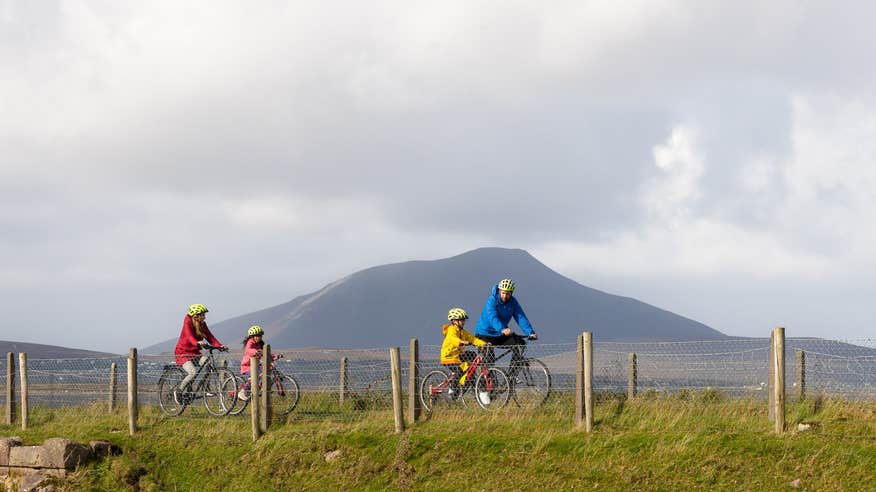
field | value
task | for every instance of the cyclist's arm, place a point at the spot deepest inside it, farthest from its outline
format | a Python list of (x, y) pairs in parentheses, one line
[(210, 338), (522, 320)]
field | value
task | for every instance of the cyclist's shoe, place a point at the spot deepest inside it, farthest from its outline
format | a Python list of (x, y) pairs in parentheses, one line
[(484, 397), (243, 395)]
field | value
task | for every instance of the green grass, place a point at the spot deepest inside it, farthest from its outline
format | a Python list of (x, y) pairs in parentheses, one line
[(692, 442)]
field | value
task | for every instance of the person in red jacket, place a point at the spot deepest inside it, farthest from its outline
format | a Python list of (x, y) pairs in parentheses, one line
[(188, 348)]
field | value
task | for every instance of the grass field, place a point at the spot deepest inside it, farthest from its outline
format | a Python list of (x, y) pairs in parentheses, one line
[(691, 443)]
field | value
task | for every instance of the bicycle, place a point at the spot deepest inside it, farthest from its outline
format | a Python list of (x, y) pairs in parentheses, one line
[(210, 383), (284, 391), (441, 387), (529, 377)]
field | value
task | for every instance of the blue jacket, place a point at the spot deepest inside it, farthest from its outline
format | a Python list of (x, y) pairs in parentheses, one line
[(497, 314)]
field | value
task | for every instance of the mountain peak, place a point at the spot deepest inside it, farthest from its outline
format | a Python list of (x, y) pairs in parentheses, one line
[(386, 305)]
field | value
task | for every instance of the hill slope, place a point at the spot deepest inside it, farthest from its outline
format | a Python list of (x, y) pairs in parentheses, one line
[(39, 351), (389, 304)]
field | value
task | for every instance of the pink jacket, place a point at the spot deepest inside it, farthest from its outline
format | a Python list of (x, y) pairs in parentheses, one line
[(251, 350)]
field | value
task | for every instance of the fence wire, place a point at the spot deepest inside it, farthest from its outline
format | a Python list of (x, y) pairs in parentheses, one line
[(348, 384)]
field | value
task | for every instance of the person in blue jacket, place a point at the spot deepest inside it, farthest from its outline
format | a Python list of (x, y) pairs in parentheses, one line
[(500, 307)]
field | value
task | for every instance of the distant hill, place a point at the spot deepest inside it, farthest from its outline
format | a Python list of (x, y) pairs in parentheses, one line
[(387, 305), (39, 351)]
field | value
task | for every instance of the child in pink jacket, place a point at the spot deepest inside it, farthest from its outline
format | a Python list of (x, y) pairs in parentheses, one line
[(252, 347)]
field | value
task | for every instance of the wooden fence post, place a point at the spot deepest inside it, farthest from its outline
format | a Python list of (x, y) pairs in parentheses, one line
[(255, 398), (779, 350), (801, 375), (22, 367), (112, 387), (395, 362), (771, 383), (132, 391), (343, 386), (266, 378), (579, 382), (10, 388), (588, 381), (413, 376), (632, 378)]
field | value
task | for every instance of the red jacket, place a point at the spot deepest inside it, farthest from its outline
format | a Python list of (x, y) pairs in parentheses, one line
[(187, 346)]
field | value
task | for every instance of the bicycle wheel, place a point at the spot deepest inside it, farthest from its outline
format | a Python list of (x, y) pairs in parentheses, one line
[(531, 384), (492, 389), (435, 391), (211, 387), (284, 393), (230, 388), (238, 406), (167, 384)]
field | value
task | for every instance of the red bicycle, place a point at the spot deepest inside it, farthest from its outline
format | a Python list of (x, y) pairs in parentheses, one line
[(284, 391), (487, 385)]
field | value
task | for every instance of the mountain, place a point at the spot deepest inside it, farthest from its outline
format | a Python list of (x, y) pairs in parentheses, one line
[(39, 351), (387, 305)]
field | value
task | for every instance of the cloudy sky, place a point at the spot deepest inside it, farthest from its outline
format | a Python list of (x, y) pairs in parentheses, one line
[(715, 159)]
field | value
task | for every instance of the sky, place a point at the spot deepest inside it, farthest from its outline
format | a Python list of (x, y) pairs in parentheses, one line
[(715, 159)]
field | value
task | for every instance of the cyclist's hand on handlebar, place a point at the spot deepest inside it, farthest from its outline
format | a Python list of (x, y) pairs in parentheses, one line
[(463, 343), (506, 331), (534, 336), (223, 348)]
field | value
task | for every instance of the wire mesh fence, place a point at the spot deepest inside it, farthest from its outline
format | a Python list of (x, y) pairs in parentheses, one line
[(350, 384)]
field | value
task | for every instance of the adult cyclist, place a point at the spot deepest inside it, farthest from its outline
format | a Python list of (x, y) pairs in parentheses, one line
[(193, 335), (498, 311)]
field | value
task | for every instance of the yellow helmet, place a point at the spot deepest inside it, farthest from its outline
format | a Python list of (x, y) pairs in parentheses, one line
[(506, 284), (254, 330), (197, 309), (457, 313)]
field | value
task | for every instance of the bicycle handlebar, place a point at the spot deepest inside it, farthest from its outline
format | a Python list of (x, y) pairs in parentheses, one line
[(212, 347)]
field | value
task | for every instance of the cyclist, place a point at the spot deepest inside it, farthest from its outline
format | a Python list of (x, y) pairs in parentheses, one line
[(188, 349), (492, 327), (252, 347), (455, 336)]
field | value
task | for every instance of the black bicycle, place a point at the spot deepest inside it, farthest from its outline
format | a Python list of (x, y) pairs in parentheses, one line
[(211, 384), (530, 379)]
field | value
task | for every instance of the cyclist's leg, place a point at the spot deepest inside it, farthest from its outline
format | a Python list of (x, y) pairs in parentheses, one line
[(191, 371), (243, 393), (455, 374)]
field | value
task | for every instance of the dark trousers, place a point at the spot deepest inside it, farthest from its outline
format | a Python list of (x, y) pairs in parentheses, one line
[(517, 343)]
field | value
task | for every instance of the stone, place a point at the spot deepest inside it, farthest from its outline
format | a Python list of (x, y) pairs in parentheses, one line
[(795, 483), (64, 453), (6, 443), (803, 427), (26, 456), (102, 449), (36, 482), (333, 455)]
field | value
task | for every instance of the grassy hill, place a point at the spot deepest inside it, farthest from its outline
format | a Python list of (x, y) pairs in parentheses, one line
[(644, 444)]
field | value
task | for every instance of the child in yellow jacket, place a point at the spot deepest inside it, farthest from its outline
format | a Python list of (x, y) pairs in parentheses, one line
[(455, 337)]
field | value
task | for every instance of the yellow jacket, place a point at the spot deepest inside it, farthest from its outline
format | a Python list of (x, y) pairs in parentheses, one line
[(450, 348)]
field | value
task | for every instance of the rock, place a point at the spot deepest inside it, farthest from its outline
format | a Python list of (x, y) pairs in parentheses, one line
[(795, 483), (6, 443), (102, 449), (803, 427), (333, 455), (37, 482), (64, 453), (56, 453)]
